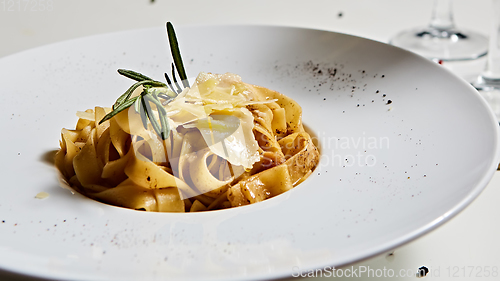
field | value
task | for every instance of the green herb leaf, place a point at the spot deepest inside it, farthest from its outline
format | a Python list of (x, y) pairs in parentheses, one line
[(133, 75), (142, 113), (164, 132), (176, 54), (119, 109), (175, 80), (137, 105), (150, 115), (169, 83), (132, 88)]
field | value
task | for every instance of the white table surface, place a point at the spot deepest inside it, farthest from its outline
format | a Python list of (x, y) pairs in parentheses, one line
[(469, 239)]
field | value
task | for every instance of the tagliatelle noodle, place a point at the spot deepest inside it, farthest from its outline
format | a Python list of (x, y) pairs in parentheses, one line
[(231, 144)]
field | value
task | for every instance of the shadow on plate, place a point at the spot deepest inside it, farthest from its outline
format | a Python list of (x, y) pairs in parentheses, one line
[(48, 157)]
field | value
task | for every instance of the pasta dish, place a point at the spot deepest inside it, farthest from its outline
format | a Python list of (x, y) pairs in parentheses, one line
[(215, 144)]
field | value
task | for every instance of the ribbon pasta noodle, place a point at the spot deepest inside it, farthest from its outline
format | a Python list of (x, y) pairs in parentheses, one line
[(230, 144)]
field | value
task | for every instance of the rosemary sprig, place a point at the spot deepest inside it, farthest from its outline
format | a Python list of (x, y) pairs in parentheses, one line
[(142, 102), (152, 92)]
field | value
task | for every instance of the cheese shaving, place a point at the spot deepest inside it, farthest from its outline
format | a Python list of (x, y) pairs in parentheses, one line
[(215, 105)]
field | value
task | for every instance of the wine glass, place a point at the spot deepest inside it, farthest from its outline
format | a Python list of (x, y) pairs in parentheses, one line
[(488, 82), (441, 40)]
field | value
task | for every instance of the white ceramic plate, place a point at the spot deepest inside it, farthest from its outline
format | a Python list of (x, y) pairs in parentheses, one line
[(405, 146)]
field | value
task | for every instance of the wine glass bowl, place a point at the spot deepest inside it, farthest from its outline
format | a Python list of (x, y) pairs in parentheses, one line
[(441, 40), (446, 45)]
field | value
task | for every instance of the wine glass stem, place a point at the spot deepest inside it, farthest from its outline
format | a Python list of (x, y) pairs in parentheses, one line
[(442, 16), (492, 71)]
